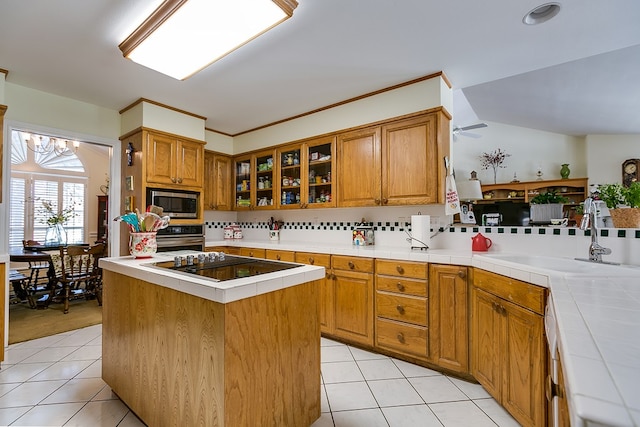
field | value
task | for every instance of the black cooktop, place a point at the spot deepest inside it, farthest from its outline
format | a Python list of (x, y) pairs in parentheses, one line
[(232, 267)]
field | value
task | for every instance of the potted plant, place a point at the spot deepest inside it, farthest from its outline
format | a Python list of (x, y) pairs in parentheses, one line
[(623, 203), (546, 206)]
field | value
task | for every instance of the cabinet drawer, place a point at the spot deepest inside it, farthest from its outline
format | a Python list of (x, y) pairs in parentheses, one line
[(417, 270), (340, 262), (252, 252), (407, 339), (524, 294), (288, 256), (319, 260), (402, 286), (403, 308)]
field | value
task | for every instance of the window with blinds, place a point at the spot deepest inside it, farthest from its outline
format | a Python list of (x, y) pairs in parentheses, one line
[(28, 217), (49, 178)]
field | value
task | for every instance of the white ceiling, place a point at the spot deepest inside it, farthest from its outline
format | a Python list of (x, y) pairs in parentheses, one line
[(576, 74)]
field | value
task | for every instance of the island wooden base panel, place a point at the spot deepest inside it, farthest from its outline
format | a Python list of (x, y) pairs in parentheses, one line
[(176, 359)]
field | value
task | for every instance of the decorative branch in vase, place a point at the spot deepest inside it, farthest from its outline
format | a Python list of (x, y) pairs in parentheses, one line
[(494, 160), (56, 234)]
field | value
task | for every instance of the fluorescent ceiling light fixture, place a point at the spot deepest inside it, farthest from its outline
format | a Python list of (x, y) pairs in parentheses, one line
[(181, 37)]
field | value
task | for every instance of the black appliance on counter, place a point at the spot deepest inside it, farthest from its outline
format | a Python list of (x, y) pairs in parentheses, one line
[(229, 268), (181, 237), (512, 213)]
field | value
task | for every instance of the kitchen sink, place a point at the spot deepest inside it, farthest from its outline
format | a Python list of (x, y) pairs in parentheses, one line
[(564, 265)]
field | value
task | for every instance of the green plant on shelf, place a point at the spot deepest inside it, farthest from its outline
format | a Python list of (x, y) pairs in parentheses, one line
[(550, 196)]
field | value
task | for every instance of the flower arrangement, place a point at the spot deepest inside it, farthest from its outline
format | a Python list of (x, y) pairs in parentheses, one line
[(50, 217), (494, 160)]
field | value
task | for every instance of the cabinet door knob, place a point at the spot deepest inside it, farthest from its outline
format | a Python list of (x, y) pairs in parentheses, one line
[(385, 201), (179, 180), (173, 180), (400, 286), (462, 274), (400, 269), (352, 265), (250, 253), (377, 201), (400, 337), (311, 260), (400, 309)]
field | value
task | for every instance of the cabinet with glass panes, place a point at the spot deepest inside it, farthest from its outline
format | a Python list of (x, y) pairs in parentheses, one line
[(290, 167), (264, 180), (320, 177), (242, 171), (254, 181)]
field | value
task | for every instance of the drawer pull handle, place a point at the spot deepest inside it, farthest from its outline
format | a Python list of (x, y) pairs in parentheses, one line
[(400, 269), (311, 260), (400, 337), (278, 257), (352, 265), (462, 274), (400, 309), (400, 287)]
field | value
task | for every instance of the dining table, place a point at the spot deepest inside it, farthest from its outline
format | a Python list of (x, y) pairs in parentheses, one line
[(39, 253)]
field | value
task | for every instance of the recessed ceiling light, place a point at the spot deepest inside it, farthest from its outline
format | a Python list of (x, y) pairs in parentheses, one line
[(541, 14)]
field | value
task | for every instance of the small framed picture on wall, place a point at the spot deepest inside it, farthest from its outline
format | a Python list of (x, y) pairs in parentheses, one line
[(129, 183), (129, 203)]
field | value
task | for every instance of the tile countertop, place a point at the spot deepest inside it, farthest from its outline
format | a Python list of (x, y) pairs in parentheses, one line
[(222, 292), (597, 310)]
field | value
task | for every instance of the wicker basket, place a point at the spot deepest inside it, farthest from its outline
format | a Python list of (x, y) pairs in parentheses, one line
[(625, 217)]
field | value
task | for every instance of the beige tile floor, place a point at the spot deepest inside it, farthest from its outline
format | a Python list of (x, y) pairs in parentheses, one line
[(55, 381)]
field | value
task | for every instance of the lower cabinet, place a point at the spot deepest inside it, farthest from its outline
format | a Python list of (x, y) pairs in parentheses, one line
[(326, 288), (352, 288), (449, 317), (401, 307), (508, 344)]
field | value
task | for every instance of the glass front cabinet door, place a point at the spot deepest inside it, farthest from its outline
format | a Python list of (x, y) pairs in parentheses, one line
[(243, 182), (290, 165), (320, 173), (264, 167)]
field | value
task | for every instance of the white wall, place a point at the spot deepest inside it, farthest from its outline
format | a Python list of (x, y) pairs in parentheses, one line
[(55, 115), (404, 100), (529, 149), (605, 154)]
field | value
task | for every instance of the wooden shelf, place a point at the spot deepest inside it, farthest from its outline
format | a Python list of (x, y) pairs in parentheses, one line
[(573, 189)]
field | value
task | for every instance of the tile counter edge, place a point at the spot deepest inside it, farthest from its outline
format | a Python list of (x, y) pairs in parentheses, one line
[(222, 292)]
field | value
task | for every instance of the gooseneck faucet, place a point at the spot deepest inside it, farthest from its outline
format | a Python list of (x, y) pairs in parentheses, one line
[(589, 220)]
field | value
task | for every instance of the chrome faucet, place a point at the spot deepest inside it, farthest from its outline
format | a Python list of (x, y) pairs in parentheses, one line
[(589, 221)]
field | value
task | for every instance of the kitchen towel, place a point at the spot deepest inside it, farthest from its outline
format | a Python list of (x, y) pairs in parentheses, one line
[(452, 205)]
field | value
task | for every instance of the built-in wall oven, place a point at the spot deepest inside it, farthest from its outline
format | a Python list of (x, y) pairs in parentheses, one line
[(180, 238)]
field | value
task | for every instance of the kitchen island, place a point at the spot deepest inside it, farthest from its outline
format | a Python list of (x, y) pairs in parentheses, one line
[(182, 350)]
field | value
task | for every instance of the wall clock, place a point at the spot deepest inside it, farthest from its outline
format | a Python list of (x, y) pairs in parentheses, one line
[(630, 171)]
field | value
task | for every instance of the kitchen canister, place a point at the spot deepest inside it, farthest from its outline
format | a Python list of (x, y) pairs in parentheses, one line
[(143, 245)]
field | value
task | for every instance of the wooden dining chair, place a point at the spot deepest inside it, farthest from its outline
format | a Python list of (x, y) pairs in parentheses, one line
[(78, 273), (38, 278)]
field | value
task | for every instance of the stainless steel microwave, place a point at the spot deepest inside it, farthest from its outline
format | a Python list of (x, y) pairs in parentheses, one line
[(176, 204)]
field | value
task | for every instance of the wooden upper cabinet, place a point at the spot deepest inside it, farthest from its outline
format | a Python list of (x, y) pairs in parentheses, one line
[(399, 162), (174, 162), (409, 156), (359, 167), (217, 176)]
